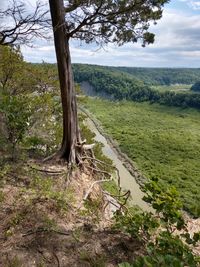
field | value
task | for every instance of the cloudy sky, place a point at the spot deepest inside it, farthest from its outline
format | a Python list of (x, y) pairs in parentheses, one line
[(177, 43)]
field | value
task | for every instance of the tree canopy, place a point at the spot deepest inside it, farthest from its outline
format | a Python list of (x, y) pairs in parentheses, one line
[(107, 21), (196, 87)]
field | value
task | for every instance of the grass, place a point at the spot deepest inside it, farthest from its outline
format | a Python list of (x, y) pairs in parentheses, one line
[(179, 88), (164, 142)]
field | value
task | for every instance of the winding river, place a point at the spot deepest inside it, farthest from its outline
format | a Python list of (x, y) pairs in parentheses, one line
[(128, 181)]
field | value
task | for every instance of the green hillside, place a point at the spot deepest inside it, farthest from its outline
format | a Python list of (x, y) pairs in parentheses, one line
[(151, 76), (163, 76), (123, 86)]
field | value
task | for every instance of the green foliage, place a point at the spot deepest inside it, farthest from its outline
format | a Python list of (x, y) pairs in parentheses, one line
[(92, 209), (48, 224), (44, 188), (10, 67), (17, 112), (35, 142), (45, 129), (163, 142), (93, 260), (111, 187), (166, 203), (125, 264), (45, 77), (196, 87), (179, 88), (168, 251), (166, 248), (115, 84), (162, 76), (113, 21), (104, 82), (15, 75), (89, 136), (14, 262), (138, 224)]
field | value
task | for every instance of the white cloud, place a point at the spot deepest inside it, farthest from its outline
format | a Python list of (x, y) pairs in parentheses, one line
[(177, 44)]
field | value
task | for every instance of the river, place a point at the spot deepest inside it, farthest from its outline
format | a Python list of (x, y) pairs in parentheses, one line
[(128, 181)]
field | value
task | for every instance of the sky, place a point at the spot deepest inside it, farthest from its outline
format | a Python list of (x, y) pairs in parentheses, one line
[(177, 43)]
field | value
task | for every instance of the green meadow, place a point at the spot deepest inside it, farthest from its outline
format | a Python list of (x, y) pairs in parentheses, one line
[(164, 142), (179, 88)]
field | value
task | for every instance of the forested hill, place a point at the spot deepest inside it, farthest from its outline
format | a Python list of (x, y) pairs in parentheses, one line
[(105, 80), (115, 84), (163, 76), (150, 76)]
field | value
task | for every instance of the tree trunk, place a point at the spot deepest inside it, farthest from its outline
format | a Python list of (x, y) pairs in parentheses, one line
[(70, 140)]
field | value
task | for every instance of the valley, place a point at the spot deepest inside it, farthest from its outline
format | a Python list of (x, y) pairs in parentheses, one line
[(163, 142)]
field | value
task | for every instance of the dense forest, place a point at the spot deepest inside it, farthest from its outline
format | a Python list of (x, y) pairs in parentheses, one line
[(119, 85), (150, 76), (163, 76)]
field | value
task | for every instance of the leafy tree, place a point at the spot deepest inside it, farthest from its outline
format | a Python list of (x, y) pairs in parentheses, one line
[(16, 111), (96, 21), (11, 65), (16, 76), (45, 77)]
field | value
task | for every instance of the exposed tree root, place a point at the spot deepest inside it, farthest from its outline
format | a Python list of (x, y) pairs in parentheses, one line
[(106, 164), (96, 169), (45, 170)]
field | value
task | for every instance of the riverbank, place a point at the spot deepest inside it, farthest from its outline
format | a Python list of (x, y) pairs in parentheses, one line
[(126, 171), (127, 162)]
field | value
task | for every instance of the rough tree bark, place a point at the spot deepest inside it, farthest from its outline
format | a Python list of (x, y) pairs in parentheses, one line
[(68, 150)]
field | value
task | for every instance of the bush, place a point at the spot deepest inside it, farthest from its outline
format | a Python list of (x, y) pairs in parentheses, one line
[(16, 111), (165, 245)]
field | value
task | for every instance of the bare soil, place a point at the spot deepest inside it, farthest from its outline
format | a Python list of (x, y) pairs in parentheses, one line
[(44, 222)]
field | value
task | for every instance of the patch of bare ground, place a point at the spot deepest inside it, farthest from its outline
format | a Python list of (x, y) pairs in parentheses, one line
[(193, 226), (45, 222)]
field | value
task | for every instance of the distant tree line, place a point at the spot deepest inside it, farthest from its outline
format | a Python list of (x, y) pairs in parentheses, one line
[(121, 86), (163, 76), (152, 76)]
